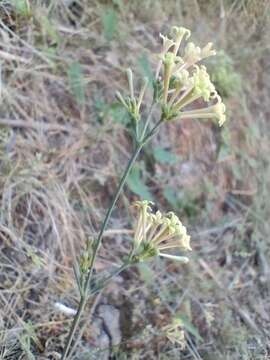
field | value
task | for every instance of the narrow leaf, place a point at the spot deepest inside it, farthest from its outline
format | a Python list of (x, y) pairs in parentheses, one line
[(164, 156), (145, 68), (190, 327), (109, 22), (76, 83), (171, 197), (136, 184)]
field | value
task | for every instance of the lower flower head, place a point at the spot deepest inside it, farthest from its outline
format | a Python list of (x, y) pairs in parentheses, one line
[(156, 233)]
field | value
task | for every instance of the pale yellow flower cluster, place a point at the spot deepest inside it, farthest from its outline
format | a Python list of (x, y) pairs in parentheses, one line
[(175, 333), (155, 233), (183, 81)]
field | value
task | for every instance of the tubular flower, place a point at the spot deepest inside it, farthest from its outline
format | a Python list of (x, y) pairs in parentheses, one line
[(184, 78), (168, 61), (216, 111), (155, 234), (167, 43), (178, 34)]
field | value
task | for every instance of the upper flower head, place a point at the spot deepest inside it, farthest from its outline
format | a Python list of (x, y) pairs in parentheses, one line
[(183, 82), (181, 85)]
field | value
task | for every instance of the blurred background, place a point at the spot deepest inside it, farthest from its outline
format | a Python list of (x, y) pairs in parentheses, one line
[(63, 147)]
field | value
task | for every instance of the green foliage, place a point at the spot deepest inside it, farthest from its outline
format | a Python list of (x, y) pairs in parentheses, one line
[(109, 23), (189, 327), (145, 67), (27, 338), (49, 31), (170, 196), (21, 7), (136, 184), (184, 200), (114, 110), (223, 74), (225, 149), (37, 260), (118, 113), (164, 156), (118, 3), (76, 82), (146, 272)]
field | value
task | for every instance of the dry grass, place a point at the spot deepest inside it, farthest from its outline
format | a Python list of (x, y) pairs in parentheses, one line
[(63, 148)]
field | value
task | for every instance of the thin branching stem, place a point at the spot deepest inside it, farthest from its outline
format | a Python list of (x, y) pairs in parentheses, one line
[(81, 307), (85, 290), (148, 119), (106, 281), (74, 326)]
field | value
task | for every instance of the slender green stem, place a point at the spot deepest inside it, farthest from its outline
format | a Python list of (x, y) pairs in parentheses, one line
[(152, 132), (83, 300), (97, 245), (74, 326), (147, 120), (85, 290), (105, 281), (109, 211)]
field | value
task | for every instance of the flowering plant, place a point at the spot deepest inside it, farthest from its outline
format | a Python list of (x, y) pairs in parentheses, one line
[(179, 81)]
